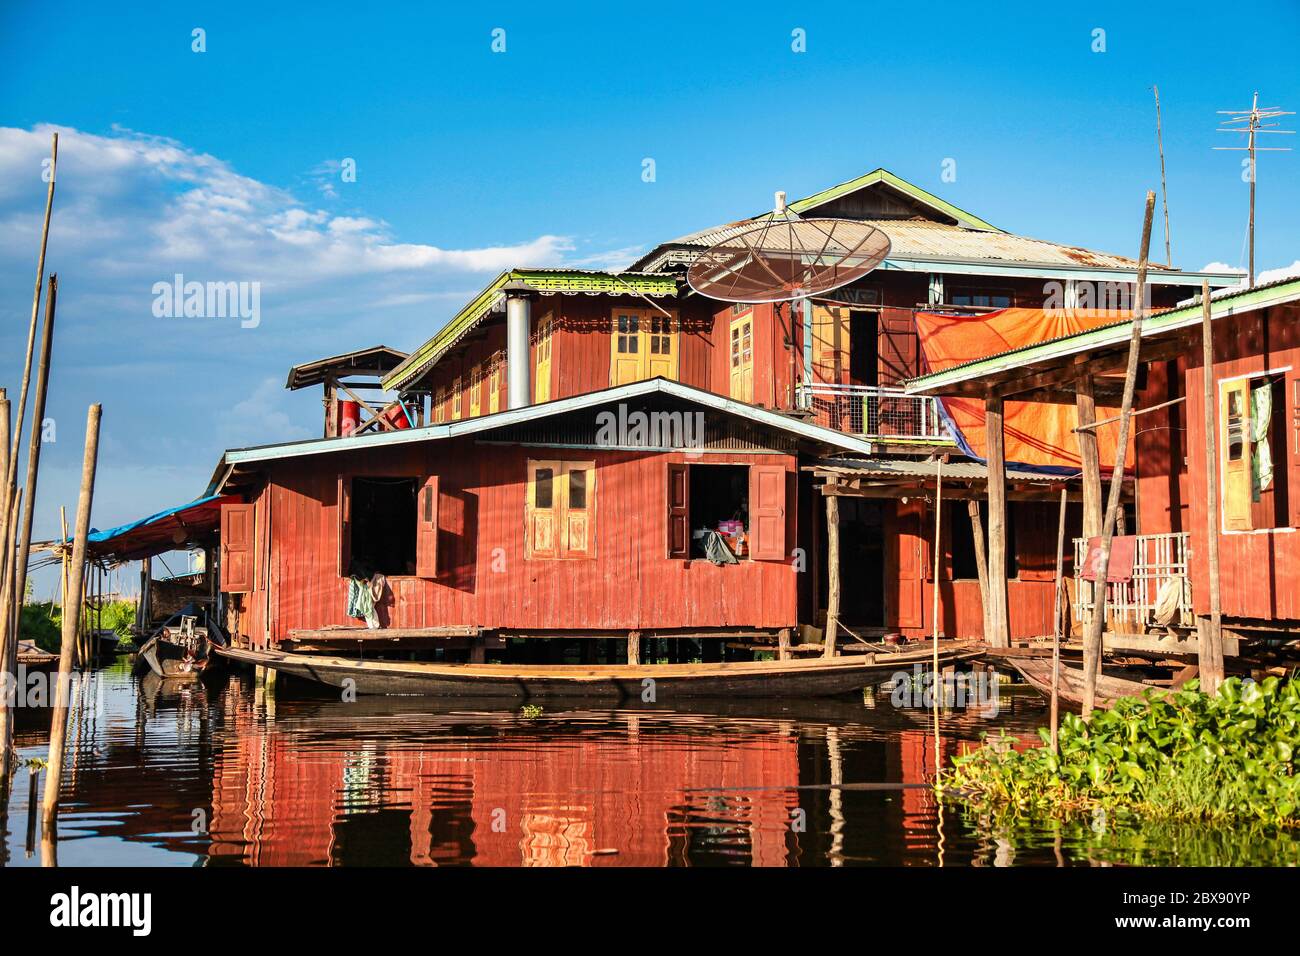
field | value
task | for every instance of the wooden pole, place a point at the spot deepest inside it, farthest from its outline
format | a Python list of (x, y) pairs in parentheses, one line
[(1056, 618), (76, 584), (1210, 652), (832, 575), (634, 647), (33, 460), (935, 686), (16, 437), (981, 559), (999, 625), (1097, 622)]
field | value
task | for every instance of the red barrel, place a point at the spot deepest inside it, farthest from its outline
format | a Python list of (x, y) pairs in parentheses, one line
[(348, 417), (396, 415)]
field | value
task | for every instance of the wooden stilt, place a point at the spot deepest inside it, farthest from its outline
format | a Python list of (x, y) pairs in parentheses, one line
[(935, 686), (1056, 618), (76, 584), (999, 625), (832, 575), (1090, 459), (634, 647), (981, 559), (1092, 632), (783, 644), (1210, 651)]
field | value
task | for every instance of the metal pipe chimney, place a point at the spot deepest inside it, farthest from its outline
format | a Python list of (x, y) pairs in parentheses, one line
[(519, 364)]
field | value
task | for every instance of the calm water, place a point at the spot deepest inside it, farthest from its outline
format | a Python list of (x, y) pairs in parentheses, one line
[(226, 774)]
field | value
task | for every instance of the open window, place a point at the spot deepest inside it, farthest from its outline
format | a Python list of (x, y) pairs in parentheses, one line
[(560, 509), (1254, 453), (377, 525), (743, 505)]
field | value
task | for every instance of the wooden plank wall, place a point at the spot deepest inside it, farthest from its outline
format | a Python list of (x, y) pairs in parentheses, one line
[(630, 584), (1260, 570)]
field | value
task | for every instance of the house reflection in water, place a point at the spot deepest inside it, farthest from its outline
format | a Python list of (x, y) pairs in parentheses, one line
[(380, 783)]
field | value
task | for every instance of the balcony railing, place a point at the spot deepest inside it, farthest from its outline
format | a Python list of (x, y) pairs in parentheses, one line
[(878, 412), (1159, 594)]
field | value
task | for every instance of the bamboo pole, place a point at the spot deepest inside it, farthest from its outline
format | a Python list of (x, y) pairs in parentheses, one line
[(832, 575), (9, 627), (1056, 618), (999, 625), (1210, 646), (24, 544), (59, 723), (16, 436), (935, 688), (1097, 622), (981, 559)]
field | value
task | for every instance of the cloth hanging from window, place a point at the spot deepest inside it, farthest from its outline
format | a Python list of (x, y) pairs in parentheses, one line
[(361, 603), (716, 550), (1261, 461)]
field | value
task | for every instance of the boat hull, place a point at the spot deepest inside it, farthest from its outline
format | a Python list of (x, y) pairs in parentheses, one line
[(1037, 672), (742, 679)]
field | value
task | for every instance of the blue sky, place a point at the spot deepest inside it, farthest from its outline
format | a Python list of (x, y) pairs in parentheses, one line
[(224, 166)]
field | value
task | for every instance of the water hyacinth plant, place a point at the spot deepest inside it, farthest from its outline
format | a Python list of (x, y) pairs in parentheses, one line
[(1178, 756)]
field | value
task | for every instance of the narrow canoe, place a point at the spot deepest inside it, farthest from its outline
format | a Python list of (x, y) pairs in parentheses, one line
[(1037, 671), (793, 678)]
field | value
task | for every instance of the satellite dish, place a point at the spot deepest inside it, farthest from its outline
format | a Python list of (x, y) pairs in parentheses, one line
[(782, 256)]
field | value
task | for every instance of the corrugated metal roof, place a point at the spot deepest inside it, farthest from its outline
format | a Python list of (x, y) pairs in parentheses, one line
[(919, 239), (903, 468), (828, 437)]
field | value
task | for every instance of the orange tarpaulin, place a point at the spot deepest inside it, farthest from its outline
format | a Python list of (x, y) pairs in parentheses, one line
[(1038, 434)]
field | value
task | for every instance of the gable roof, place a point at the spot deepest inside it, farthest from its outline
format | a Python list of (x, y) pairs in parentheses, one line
[(376, 359), (543, 281), (829, 438), (883, 177), (1114, 334), (935, 235)]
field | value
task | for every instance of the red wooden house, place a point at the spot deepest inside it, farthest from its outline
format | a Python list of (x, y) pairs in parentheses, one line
[(540, 335), (1256, 426)]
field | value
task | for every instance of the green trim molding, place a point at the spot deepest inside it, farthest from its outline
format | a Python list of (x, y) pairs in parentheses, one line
[(902, 185)]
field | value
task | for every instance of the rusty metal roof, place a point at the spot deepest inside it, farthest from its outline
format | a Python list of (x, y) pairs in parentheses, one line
[(927, 468), (920, 239)]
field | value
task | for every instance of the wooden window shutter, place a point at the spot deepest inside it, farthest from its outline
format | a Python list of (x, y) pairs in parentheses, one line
[(237, 548), (541, 509), (679, 512), (905, 539), (345, 524), (426, 529), (577, 508), (767, 512)]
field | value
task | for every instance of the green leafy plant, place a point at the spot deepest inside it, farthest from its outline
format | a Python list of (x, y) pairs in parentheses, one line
[(1183, 756), (530, 712)]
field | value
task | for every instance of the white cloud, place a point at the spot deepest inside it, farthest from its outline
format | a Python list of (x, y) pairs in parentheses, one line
[(1284, 272), (136, 199)]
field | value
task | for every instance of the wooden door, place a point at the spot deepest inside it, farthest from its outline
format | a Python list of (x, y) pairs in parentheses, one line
[(542, 386), (1234, 436), (237, 538), (625, 362), (426, 529), (660, 346), (742, 358), (907, 543)]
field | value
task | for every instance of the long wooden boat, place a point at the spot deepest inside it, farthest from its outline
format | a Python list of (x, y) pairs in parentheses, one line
[(753, 679), (1037, 671), (32, 658)]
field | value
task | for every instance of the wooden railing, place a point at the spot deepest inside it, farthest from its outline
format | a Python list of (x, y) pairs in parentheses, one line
[(1159, 570)]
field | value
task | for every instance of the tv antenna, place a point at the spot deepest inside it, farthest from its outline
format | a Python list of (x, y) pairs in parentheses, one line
[(1164, 190), (1251, 123), (781, 256)]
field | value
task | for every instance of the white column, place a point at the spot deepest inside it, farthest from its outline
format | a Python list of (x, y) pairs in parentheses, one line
[(518, 360)]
